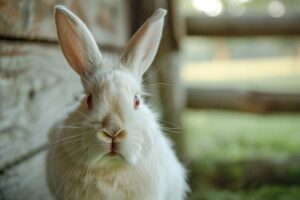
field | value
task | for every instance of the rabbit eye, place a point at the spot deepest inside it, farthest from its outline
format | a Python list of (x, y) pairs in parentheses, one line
[(136, 102), (89, 101)]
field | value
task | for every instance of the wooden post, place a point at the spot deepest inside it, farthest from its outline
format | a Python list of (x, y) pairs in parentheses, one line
[(164, 74)]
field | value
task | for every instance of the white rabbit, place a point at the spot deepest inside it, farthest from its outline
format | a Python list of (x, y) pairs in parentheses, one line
[(111, 146)]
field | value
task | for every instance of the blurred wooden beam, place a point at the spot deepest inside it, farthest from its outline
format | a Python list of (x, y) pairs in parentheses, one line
[(243, 26), (250, 101), (167, 97), (146, 9)]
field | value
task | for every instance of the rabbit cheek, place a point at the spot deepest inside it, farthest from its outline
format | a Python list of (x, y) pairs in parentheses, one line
[(132, 148)]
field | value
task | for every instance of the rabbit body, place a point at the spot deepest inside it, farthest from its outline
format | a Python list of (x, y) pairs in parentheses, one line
[(110, 145), (151, 170), (159, 176)]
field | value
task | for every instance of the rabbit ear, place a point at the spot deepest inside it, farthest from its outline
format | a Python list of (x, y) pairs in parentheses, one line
[(76, 41), (142, 47)]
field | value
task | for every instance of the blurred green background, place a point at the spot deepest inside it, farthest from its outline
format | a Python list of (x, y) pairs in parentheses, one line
[(238, 155)]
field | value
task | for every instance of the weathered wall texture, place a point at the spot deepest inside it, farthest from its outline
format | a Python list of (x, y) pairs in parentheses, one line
[(33, 19), (36, 84)]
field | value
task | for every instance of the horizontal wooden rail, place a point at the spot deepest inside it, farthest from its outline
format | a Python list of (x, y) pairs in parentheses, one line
[(243, 26), (250, 101)]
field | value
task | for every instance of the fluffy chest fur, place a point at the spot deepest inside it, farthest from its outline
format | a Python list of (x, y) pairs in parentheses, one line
[(152, 179)]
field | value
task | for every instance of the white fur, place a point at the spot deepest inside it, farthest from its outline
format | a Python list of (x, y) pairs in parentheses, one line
[(78, 164)]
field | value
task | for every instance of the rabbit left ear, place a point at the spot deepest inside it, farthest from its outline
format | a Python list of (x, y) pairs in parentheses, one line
[(142, 47), (76, 41)]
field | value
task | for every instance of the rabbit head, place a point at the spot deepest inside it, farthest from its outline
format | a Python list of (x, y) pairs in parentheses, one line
[(112, 122)]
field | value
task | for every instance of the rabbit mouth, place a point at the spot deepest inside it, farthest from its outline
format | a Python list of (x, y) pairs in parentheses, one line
[(113, 154), (113, 159)]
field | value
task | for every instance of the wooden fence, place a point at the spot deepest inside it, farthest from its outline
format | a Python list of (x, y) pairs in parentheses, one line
[(242, 100)]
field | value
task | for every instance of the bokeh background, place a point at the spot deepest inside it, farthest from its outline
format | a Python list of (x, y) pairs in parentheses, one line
[(226, 82), (238, 154)]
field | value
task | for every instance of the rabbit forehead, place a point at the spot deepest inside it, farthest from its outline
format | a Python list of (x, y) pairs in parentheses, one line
[(114, 91), (114, 83)]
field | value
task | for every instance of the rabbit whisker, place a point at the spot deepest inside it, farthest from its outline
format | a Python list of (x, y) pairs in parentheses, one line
[(86, 117)]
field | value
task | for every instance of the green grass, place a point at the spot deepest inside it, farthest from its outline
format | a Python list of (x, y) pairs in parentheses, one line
[(228, 136), (275, 192)]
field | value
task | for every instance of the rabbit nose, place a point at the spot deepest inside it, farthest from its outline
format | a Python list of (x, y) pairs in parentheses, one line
[(109, 136)]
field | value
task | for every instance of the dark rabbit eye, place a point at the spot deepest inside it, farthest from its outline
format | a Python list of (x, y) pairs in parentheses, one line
[(89, 101), (136, 102)]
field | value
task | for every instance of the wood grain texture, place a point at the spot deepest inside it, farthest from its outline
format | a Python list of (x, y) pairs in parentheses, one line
[(36, 85), (242, 100), (33, 19), (26, 181)]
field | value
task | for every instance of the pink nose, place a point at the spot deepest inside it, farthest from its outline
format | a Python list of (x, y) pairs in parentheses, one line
[(109, 137)]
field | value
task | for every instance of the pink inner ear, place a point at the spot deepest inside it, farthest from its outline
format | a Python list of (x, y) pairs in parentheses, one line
[(148, 50), (142, 47), (70, 42), (73, 58)]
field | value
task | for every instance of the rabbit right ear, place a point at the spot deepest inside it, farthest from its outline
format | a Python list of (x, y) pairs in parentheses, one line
[(76, 41), (142, 47)]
